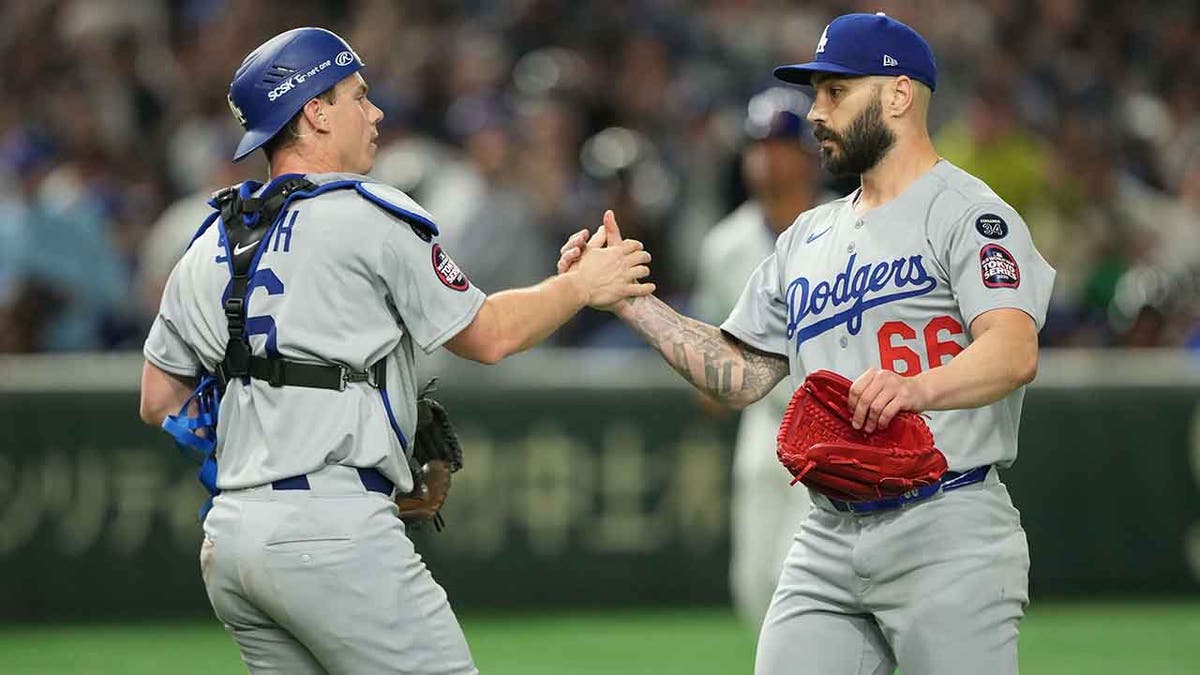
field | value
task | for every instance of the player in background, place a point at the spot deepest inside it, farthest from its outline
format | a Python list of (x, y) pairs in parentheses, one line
[(780, 170), (304, 559), (925, 289)]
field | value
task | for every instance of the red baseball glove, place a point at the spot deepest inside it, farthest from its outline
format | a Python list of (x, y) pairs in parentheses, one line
[(820, 447)]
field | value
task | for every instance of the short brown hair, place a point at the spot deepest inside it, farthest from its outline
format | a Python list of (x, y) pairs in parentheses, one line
[(288, 134)]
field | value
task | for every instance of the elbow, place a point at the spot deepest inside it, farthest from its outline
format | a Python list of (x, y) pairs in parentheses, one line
[(736, 403), (150, 415), (1027, 372), (1026, 369), (491, 352), (491, 356)]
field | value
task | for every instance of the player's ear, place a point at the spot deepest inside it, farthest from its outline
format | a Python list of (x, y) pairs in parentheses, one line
[(899, 96), (314, 114)]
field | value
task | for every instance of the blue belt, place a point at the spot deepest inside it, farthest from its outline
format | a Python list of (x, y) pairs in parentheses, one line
[(952, 480), (371, 480)]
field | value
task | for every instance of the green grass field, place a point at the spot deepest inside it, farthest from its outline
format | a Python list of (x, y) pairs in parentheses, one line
[(1057, 639)]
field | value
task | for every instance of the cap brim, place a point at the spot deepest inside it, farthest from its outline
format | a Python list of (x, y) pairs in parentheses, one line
[(801, 73), (250, 142)]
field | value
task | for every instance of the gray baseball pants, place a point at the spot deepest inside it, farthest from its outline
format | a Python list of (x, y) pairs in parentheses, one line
[(325, 580), (937, 587)]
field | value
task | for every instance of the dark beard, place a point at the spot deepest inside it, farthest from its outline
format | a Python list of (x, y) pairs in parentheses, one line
[(865, 141)]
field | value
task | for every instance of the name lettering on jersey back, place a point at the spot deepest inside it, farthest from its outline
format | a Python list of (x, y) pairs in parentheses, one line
[(829, 303)]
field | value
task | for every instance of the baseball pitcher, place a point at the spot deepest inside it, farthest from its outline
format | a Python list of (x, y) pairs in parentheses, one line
[(298, 308), (920, 292)]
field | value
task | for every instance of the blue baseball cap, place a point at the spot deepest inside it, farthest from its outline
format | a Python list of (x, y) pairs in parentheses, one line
[(866, 44), (280, 76)]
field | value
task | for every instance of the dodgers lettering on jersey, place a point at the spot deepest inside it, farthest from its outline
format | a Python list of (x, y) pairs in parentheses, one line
[(859, 286), (340, 280), (897, 288)]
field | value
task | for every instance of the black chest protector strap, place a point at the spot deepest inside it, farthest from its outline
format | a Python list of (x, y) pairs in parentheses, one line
[(247, 222)]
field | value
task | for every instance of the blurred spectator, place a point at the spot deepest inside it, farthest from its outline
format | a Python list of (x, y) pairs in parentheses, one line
[(495, 237), (167, 239), (988, 141), (527, 119)]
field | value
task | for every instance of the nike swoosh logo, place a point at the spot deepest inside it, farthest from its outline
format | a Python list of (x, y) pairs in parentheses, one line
[(817, 235), (238, 250)]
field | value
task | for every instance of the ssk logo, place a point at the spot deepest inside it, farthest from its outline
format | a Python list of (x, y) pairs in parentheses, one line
[(851, 293)]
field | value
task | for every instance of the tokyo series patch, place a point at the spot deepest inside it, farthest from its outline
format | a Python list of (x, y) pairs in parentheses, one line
[(998, 267), (448, 271), (991, 226)]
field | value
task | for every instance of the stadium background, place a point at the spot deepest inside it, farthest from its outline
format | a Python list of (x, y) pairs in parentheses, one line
[(589, 531)]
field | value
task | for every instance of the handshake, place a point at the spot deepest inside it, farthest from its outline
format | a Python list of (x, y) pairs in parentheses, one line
[(606, 266)]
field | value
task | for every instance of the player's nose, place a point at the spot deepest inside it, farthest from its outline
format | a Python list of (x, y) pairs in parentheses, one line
[(814, 115)]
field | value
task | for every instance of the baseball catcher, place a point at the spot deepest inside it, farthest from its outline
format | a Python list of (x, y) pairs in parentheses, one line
[(313, 339), (436, 456), (820, 447)]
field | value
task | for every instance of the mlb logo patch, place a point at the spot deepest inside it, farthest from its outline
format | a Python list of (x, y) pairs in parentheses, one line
[(999, 267)]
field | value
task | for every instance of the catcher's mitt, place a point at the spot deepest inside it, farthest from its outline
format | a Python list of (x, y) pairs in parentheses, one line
[(435, 456), (820, 447)]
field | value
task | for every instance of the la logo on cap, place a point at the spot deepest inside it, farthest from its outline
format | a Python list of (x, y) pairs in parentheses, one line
[(823, 40)]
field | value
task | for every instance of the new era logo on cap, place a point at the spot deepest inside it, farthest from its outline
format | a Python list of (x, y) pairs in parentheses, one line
[(856, 45)]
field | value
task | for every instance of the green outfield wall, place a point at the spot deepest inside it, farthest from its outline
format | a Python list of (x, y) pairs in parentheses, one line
[(589, 480)]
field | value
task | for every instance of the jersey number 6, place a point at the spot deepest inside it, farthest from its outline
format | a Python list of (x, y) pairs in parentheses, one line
[(935, 347)]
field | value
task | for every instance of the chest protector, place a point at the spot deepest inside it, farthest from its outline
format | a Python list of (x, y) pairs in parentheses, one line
[(246, 223)]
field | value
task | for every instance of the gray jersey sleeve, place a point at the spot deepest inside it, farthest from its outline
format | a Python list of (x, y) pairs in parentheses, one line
[(164, 346), (433, 297), (760, 317), (989, 257)]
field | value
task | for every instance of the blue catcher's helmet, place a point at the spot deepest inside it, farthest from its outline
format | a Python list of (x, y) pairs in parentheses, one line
[(277, 79), (779, 112)]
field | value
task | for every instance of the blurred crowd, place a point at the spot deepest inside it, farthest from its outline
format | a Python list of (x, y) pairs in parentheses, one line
[(516, 122)]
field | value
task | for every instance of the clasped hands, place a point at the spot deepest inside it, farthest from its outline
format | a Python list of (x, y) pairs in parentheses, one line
[(608, 267)]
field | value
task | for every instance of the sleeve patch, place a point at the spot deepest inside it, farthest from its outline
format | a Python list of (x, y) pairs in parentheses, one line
[(991, 226), (998, 267), (447, 270)]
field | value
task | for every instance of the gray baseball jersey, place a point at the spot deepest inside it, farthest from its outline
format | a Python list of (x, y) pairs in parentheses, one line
[(341, 281), (897, 287)]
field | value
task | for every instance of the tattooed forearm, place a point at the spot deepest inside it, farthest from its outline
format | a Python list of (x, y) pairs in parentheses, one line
[(707, 358)]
